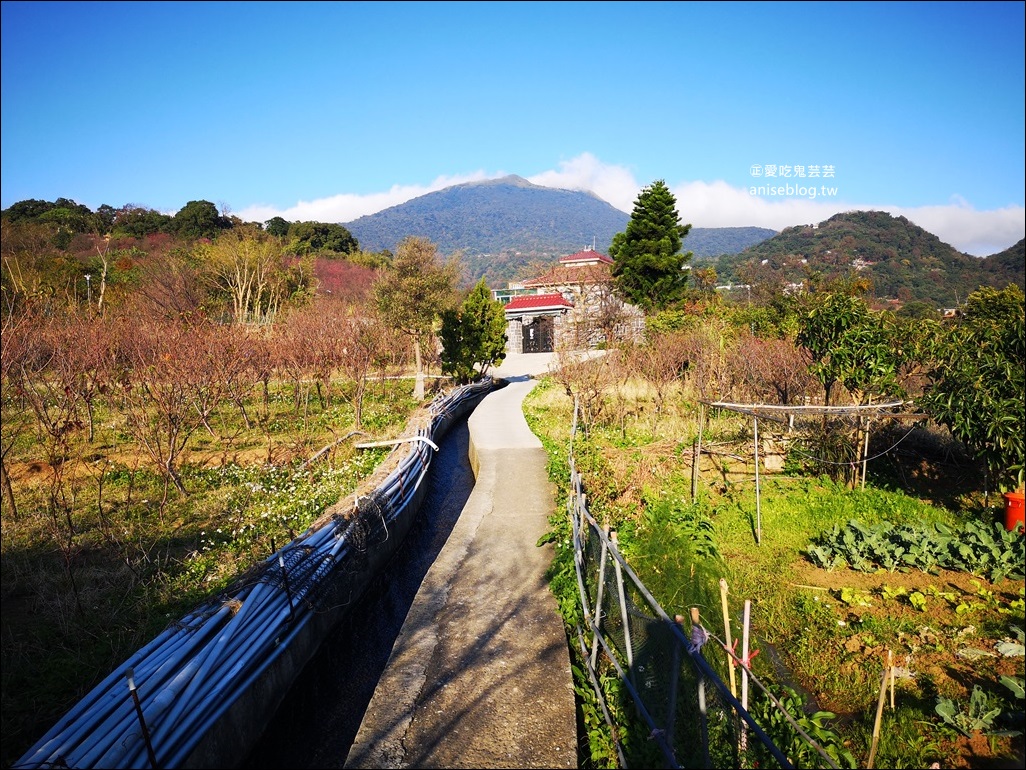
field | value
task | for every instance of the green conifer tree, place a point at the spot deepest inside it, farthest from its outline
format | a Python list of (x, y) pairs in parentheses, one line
[(649, 266), (474, 336)]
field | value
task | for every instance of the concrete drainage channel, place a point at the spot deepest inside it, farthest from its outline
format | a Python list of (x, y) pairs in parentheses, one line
[(318, 720), (202, 693)]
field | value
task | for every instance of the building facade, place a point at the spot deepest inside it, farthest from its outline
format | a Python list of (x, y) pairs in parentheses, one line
[(572, 306)]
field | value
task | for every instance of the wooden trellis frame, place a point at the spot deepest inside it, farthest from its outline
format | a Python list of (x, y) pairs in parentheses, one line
[(786, 414)]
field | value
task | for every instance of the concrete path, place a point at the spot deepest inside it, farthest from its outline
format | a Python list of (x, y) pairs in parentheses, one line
[(480, 674)]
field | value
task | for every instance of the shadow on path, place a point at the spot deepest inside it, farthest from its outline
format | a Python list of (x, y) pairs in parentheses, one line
[(317, 721)]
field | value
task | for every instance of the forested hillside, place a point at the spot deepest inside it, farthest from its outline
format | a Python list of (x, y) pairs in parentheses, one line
[(901, 260), (505, 230), (504, 226)]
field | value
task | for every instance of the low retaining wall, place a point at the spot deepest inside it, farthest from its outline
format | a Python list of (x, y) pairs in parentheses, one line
[(201, 694)]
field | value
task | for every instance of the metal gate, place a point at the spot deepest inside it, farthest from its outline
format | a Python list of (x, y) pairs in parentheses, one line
[(538, 335)]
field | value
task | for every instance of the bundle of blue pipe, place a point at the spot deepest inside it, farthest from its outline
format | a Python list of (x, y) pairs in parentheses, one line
[(201, 692)]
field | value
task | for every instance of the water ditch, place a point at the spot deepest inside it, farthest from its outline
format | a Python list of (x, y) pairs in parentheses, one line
[(317, 721)]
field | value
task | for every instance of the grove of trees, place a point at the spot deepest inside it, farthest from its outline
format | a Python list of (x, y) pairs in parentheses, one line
[(147, 358)]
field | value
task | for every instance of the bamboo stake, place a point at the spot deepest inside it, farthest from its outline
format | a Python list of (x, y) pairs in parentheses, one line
[(744, 671), (879, 711), (726, 631), (758, 509), (865, 454), (697, 457), (891, 669)]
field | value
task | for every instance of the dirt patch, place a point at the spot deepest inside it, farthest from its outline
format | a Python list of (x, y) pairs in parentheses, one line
[(947, 632)]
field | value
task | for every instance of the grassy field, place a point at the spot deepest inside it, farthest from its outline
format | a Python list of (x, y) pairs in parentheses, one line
[(102, 554), (955, 636)]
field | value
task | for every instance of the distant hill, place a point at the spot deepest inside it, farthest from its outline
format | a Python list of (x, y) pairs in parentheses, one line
[(502, 226), (903, 261), (1007, 266)]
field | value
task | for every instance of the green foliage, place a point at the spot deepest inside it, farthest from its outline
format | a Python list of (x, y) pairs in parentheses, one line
[(474, 337), (415, 288), (917, 310), (793, 745), (980, 715), (978, 378), (901, 260), (65, 215), (975, 548), (1014, 685), (648, 264), (277, 226), (198, 219), (673, 538), (138, 222), (849, 344), (318, 237)]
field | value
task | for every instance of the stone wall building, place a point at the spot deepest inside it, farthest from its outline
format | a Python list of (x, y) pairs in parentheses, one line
[(572, 306)]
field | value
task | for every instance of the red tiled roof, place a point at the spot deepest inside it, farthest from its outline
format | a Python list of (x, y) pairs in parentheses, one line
[(537, 302), (588, 255), (567, 275)]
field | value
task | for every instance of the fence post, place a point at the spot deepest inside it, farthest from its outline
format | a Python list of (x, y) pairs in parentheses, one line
[(599, 599), (702, 711), (629, 651), (697, 454), (726, 631), (758, 507)]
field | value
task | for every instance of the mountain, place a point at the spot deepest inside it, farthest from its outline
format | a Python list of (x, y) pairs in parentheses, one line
[(502, 226), (494, 216), (902, 260), (1007, 266)]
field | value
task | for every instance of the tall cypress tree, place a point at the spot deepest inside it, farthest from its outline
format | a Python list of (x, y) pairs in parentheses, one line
[(648, 264)]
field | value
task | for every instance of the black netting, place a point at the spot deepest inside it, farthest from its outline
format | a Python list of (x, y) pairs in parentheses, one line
[(672, 692)]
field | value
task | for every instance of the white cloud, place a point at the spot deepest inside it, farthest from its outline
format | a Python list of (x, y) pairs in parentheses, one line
[(980, 233), (958, 224), (703, 204), (614, 184), (346, 207)]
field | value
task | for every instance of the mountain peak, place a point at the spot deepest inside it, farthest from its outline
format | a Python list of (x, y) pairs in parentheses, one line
[(501, 225), (511, 180)]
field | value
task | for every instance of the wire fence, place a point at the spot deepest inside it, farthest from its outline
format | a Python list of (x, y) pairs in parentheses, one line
[(691, 715)]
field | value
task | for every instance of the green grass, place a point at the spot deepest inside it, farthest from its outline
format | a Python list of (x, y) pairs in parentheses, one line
[(822, 638), (89, 581)]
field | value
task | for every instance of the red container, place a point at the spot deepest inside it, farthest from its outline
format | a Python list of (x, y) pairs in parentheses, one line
[(1014, 510)]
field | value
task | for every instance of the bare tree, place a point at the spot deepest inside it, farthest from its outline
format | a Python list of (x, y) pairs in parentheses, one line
[(586, 380), (15, 343), (250, 270), (167, 370), (661, 361), (705, 349), (47, 380), (169, 287), (365, 340), (412, 292), (771, 369), (294, 345)]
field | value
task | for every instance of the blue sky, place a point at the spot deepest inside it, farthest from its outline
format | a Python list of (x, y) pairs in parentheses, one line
[(329, 111)]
